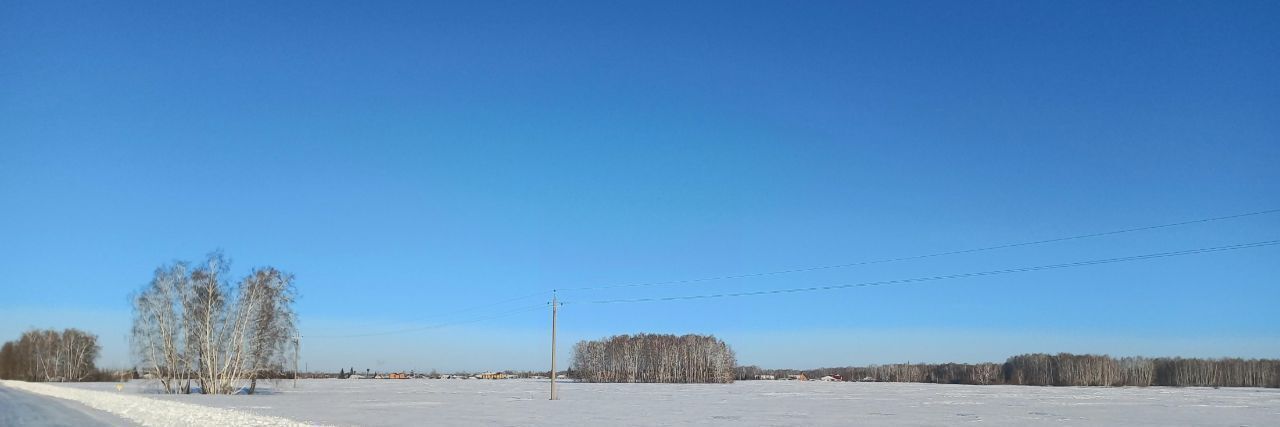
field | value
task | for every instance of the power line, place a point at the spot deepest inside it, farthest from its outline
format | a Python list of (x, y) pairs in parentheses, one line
[(915, 257), (879, 261), (950, 276), (437, 326)]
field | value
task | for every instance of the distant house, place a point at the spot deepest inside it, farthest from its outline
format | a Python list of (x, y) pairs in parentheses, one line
[(830, 378), (765, 377), (398, 376), (798, 377), (492, 376)]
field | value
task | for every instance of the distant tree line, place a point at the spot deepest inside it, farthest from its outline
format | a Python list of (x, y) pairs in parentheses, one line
[(1086, 370), (190, 325), (49, 355), (651, 358), (1062, 369)]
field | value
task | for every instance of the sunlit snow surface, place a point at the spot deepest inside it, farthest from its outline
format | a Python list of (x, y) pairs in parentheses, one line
[(775, 403)]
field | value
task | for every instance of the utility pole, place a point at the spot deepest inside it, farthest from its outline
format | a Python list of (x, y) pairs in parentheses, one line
[(297, 345), (554, 308)]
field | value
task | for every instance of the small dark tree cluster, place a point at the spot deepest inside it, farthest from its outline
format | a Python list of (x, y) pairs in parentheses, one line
[(49, 355), (747, 372), (649, 358)]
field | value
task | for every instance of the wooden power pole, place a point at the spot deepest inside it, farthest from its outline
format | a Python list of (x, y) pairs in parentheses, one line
[(297, 345), (554, 308)]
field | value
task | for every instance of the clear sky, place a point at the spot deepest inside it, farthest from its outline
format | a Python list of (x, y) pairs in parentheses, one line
[(408, 160)]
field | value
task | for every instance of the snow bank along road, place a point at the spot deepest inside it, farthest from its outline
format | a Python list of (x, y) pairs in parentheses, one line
[(19, 408), (745, 403), (129, 406)]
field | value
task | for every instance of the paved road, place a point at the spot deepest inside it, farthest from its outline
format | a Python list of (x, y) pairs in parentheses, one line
[(19, 408)]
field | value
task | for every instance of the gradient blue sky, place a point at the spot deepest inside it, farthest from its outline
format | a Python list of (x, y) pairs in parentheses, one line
[(406, 160)]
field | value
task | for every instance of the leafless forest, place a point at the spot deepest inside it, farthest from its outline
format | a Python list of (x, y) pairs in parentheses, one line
[(649, 358), (49, 355), (191, 325), (1062, 370)]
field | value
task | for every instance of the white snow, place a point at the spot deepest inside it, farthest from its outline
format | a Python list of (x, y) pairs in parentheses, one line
[(781, 403), (150, 412)]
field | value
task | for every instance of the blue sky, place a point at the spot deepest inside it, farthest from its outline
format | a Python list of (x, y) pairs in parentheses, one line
[(407, 160)]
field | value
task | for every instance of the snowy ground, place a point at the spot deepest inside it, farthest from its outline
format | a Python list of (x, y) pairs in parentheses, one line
[(782, 403), (20, 408), (117, 408)]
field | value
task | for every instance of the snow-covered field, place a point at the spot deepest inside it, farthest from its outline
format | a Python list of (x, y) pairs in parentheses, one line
[(782, 403)]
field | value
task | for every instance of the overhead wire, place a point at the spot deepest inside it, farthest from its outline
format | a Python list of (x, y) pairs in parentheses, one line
[(916, 257), (825, 267), (935, 278), (920, 256)]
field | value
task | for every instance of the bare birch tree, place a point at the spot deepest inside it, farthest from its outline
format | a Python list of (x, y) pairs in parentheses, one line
[(158, 338), (192, 325), (267, 296)]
